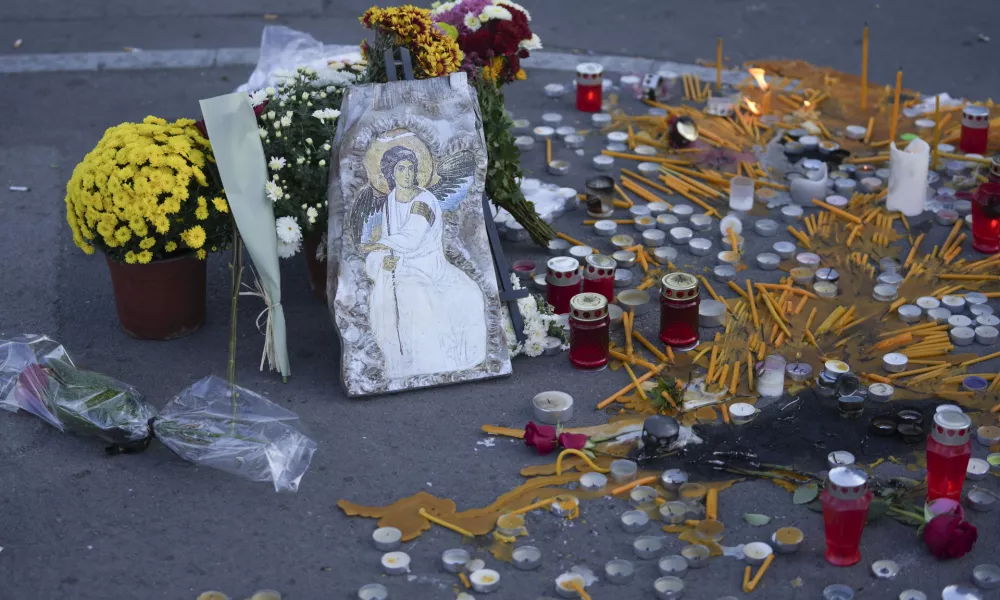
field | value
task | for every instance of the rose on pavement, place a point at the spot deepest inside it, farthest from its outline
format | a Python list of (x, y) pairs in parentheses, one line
[(948, 536)]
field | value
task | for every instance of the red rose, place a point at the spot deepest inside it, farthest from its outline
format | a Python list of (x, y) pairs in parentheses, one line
[(948, 536), (540, 437), (576, 441)]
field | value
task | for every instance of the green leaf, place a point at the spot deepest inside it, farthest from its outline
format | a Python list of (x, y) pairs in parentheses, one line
[(756, 520), (876, 510), (805, 493), (815, 506)]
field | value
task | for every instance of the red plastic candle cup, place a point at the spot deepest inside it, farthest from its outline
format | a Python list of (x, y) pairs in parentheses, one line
[(589, 331), (845, 501), (589, 87), (679, 300), (562, 282), (975, 130), (986, 217), (599, 276), (949, 447)]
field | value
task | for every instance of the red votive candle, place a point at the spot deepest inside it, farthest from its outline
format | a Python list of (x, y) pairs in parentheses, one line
[(845, 501), (589, 331), (599, 276), (986, 216), (679, 300), (589, 87), (949, 447), (975, 129), (562, 282)]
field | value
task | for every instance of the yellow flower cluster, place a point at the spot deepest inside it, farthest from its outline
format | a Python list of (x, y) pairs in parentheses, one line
[(142, 193), (435, 51)]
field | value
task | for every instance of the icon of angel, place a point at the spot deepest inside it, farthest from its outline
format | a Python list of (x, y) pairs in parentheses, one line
[(427, 315)]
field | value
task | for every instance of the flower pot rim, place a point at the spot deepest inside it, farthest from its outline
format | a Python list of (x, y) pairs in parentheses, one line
[(158, 261)]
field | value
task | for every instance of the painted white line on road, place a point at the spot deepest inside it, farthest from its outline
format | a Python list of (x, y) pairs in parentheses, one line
[(242, 57)]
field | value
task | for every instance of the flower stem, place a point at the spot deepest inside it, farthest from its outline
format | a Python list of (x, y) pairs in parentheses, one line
[(236, 268)]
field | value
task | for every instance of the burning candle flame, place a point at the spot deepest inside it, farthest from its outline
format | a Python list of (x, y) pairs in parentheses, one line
[(807, 104), (752, 106), (758, 74)]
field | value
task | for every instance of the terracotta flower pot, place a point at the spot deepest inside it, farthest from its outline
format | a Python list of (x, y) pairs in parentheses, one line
[(317, 268), (162, 300)]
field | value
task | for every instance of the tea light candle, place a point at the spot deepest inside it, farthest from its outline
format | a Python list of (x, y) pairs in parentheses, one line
[(909, 313), (681, 235), (644, 150), (552, 119), (785, 250), (602, 162), (880, 392), (600, 119), (559, 167), (485, 581), (619, 571), (527, 558), (802, 275), (675, 565), (765, 227), (698, 246), (986, 320), (682, 211), (654, 238), (623, 471), (673, 512), (642, 496), (387, 538), (373, 591), (724, 273), (605, 228), (787, 540), (959, 321), (573, 141), (396, 563), (554, 90), (622, 241), (757, 552), (454, 560), (825, 289), (791, 213), (634, 521), (623, 258), (647, 547), (986, 577), (988, 435), (668, 587), (666, 222), (884, 293), (593, 482), (701, 222), (986, 334), (711, 313), (565, 506), (665, 254), (617, 137), (962, 336), (553, 407), (767, 261), (894, 362), (742, 413), (648, 169), (543, 132), (977, 469), (524, 142), (954, 304), (839, 458)]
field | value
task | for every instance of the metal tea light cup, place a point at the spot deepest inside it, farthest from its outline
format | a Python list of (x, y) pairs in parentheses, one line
[(600, 189)]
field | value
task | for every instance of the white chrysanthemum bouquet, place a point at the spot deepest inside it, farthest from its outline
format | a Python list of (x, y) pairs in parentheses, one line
[(539, 322), (297, 130)]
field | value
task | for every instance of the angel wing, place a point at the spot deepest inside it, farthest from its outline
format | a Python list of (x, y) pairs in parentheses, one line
[(455, 175), (366, 216)]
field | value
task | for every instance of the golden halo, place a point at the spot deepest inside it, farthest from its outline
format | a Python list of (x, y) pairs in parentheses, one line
[(390, 139)]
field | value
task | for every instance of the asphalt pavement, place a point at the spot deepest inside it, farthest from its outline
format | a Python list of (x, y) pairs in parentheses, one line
[(75, 524)]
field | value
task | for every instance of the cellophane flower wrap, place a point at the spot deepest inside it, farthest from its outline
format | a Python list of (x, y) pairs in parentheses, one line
[(495, 36), (296, 129), (211, 423), (148, 191)]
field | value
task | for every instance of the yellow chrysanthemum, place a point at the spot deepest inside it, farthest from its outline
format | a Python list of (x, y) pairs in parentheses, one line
[(201, 213), (138, 181), (201, 254), (220, 205), (123, 234), (194, 237)]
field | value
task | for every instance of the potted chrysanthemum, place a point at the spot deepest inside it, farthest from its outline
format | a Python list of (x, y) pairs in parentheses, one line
[(296, 129), (147, 197)]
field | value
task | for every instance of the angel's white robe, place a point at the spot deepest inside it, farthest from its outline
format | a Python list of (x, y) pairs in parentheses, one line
[(427, 315)]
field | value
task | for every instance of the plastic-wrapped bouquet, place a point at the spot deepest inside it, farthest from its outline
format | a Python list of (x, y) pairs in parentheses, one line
[(539, 322), (495, 35), (296, 130), (210, 423)]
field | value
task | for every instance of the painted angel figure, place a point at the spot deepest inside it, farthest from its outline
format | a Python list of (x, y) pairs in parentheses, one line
[(427, 315)]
